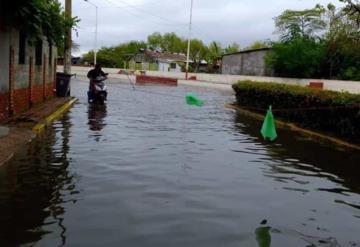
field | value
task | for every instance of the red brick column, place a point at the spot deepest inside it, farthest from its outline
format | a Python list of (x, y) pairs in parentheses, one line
[(44, 77), (11, 81)]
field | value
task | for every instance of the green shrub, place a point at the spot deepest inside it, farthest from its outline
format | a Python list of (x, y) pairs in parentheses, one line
[(300, 58), (337, 113)]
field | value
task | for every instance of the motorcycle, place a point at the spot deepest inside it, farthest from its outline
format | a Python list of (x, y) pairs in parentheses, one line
[(98, 91)]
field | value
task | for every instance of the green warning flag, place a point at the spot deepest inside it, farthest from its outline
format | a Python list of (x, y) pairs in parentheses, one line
[(268, 129), (192, 99), (263, 236)]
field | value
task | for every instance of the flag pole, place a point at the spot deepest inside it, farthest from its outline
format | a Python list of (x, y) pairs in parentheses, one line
[(189, 41)]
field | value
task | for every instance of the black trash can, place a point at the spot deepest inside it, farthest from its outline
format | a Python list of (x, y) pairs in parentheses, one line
[(63, 84)]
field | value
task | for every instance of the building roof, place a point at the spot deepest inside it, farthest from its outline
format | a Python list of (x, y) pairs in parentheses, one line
[(166, 56), (248, 51)]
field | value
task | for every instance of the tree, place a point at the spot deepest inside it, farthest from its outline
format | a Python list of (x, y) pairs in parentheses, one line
[(301, 57), (173, 43), (198, 52), (232, 48), (294, 23), (169, 42), (352, 9), (155, 41), (115, 56), (37, 18), (258, 45), (214, 51), (335, 54), (342, 42)]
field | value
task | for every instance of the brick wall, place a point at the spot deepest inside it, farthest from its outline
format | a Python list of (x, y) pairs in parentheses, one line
[(4, 103), (37, 94), (21, 100), (25, 84)]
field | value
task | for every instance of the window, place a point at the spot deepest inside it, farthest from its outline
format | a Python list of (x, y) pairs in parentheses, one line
[(38, 53), (22, 47), (173, 65)]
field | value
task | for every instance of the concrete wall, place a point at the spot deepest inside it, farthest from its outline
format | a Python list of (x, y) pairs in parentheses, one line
[(4, 60), (245, 63), (22, 85), (228, 80)]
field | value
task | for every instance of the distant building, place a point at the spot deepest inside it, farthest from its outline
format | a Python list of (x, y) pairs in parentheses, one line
[(249, 62), (160, 61), (27, 73), (202, 67), (74, 61)]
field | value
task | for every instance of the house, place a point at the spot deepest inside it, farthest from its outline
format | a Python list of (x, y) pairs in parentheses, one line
[(155, 60), (27, 72), (248, 62), (202, 67)]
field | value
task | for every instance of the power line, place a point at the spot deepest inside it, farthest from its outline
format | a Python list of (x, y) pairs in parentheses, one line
[(134, 7), (183, 26)]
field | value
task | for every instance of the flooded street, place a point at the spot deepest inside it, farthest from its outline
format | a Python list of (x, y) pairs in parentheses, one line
[(148, 170)]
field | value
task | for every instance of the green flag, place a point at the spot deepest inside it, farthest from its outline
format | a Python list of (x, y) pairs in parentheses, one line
[(268, 129), (192, 99), (263, 236)]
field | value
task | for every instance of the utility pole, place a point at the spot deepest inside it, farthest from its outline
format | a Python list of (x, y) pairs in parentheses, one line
[(189, 41), (68, 40)]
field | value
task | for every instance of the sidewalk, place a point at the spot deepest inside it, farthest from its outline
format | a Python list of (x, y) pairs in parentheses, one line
[(25, 126)]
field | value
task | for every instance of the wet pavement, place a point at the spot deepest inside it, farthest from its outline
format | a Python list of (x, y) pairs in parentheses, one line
[(20, 130), (148, 170)]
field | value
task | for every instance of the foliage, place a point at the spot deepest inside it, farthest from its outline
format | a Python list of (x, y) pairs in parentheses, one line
[(301, 57), (198, 52), (342, 42), (300, 23), (214, 52), (167, 42), (37, 18), (328, 111), (335, 54), (232, 48), (115, 56), (258, 45), (352, 9)]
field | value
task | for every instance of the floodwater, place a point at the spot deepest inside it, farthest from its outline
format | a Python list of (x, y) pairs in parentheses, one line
[(148, 170)]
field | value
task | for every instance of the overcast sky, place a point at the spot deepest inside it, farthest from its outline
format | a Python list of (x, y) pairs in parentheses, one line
[(226, 21)]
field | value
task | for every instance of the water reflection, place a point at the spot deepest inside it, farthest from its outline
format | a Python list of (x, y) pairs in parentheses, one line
[(34, 187), (96, 116), (293, 154)]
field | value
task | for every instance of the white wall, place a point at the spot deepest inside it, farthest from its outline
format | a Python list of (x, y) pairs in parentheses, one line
[(4, 61), (177, 69), (228, 80), (164, 67)]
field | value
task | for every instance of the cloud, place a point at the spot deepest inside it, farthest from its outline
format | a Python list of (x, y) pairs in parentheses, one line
[(227, 21)]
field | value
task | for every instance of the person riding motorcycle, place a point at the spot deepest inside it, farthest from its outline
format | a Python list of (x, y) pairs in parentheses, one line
[(93, 75)]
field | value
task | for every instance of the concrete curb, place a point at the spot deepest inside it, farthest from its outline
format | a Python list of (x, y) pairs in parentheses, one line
[(38, 128), (24, 136), (290, 126)]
